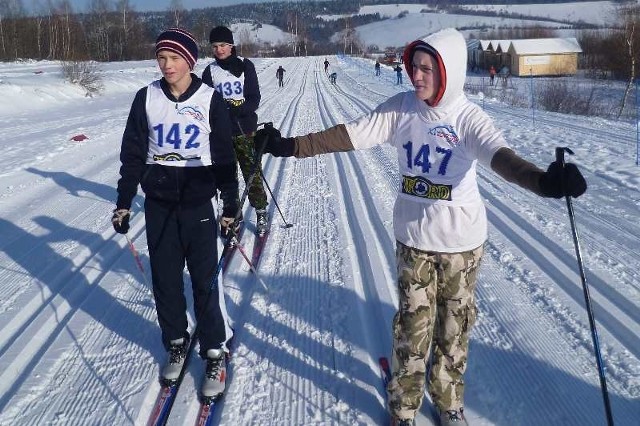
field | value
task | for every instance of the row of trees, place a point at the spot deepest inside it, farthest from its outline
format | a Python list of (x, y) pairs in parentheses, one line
[(111, 31)]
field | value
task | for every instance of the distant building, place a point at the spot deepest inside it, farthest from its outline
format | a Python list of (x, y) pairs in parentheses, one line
[(524, 57), (544, 56)]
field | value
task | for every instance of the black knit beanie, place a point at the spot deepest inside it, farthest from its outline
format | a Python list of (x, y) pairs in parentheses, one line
[(181, 42), (221, 35)]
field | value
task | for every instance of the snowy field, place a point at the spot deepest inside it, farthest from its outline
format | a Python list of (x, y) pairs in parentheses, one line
[(79, 343), (407, 22)]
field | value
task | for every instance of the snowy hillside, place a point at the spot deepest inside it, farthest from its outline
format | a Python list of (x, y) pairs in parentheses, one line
[(401, 31), (79, 343), (407, 22), (263, 33)]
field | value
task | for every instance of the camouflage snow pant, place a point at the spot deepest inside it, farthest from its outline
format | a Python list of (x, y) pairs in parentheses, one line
[(245, 153), (437, 309)]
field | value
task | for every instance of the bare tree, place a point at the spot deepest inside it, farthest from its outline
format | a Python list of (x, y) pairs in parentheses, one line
[(67, 12), (351, 39), (124, 11), (2, 42), (243, 39), (99, 29), (292, 28), (125, 25), (200, 31), (177, 10), (631, 17), (13, 11), (41, 13)]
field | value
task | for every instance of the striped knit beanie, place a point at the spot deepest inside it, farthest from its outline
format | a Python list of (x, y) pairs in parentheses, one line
[(181, 42)]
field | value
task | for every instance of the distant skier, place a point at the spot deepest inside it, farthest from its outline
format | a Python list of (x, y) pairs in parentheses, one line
[(377, 68), (280, 76), (326, 66), (333, 77), (179, 181), (398, 70), (439, 220), (492, 75)]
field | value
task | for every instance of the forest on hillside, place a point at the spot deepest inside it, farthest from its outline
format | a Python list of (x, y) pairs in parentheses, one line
[(112, 30)]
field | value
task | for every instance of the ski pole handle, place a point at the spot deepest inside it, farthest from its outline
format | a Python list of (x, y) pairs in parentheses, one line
[(560, 159), (560, 154)]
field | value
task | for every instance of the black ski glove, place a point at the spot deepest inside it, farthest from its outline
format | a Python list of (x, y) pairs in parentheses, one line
[(557, 182), (229, 226), (120, 220), (269, 140)]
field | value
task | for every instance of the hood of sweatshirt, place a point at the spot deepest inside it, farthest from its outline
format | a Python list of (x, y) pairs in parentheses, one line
[(450, 50)]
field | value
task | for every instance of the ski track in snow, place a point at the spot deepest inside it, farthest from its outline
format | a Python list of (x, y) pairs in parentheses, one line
[(80, 345)]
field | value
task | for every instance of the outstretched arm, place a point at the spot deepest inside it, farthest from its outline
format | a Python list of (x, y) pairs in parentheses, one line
[(556, 182), (517, 170), (333, 139)]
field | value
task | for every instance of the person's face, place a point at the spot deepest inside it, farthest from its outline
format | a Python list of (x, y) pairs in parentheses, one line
[(221, 50), (174, 67), (426, 76)]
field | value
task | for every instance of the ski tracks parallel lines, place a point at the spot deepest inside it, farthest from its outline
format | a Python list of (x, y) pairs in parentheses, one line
[(67, 321)]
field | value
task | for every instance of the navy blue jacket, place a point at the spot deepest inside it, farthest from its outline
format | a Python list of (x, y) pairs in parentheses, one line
[(184, 185)]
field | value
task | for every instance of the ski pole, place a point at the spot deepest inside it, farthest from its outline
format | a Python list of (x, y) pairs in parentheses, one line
[(286, 224), (592, 323), (136, 256), (251, 266)]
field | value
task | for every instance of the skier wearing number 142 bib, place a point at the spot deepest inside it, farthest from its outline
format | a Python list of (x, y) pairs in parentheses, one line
[(177, 146), (439, 219)]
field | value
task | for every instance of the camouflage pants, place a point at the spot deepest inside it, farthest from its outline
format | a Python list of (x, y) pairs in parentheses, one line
[(245, 153), (437, 309)]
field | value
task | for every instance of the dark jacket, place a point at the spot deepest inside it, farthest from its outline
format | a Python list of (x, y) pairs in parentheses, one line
[(245, 114), (182, 185)]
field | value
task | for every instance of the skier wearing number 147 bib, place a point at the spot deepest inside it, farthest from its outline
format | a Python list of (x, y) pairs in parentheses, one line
[(439, 218), (177, 146)]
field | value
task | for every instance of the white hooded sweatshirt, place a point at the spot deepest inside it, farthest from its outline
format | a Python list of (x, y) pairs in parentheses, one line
[(438, 207)]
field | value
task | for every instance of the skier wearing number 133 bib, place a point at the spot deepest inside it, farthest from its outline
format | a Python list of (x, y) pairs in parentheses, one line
[(236, 79), (439, 218), (177, 146)]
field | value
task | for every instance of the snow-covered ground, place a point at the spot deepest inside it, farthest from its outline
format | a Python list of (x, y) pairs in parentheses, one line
[(79, 343)]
